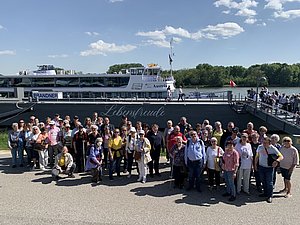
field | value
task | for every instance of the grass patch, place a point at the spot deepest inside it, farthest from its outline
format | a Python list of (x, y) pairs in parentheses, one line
[(3, 139)]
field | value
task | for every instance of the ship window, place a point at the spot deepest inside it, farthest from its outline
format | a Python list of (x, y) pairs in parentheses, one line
[(43, 82), (21, 82), (86, 81), (133, 71), (67, 82), (4, 82), (140, 71), (98, 82)]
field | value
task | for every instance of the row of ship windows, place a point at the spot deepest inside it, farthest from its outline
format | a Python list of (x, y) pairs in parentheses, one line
[(65, 82)]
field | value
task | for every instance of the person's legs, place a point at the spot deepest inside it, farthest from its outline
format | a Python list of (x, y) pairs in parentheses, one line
[(141, 171), (176, 171), (130, 162), (111, 168), (118, 165), (191, 174), (269, 182), (257, 180), (13, 152), (144, 167), (51, 155), (150, 164), (246, 180), (197, 174), (41, 160), (263, 178), (231, 183), (239, 180), (156, 162), (226, 177), (210, 177), (72, 169), (218, 178)]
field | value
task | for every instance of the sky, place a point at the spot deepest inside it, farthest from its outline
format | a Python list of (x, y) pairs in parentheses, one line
[(91, 35)]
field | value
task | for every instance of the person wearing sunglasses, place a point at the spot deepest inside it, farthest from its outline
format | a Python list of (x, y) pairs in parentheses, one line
[(288, 164)]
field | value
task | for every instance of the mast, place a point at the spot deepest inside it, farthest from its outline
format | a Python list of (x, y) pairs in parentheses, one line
[(170, 57)]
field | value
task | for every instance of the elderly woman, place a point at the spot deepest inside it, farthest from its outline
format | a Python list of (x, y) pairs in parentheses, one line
[(288, 164), (246, 157), (41, 146), (214, 155), (179, 168), (15, 144), (230, 167), (129, 149), (114, 149), (275, 142), (94, 161), (142, 155), (266, 167), (218, 132)]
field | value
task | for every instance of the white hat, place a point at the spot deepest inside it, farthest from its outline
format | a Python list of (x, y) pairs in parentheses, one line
[(51, 122), (132, 129), (142, 132)]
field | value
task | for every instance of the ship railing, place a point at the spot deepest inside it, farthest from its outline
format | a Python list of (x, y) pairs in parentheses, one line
[(157, 79), (276, 110)]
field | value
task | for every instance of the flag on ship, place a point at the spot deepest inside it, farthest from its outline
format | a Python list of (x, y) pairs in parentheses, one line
[(170, 59), (232, 84)]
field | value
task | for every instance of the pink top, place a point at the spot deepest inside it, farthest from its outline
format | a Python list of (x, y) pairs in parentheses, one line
[(231, 160), (53, 135)]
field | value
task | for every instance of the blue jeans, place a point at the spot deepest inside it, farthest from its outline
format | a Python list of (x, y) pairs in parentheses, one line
[(115, 164), (229, 180), (195, 168), (266, 176), (17, 152)]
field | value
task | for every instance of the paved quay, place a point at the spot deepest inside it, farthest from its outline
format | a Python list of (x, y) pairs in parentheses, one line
[(31, 197)]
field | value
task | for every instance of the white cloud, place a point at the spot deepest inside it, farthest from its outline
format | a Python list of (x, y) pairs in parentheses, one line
[(244, 7), (278, 7), (58, 56), (89, 33), (160, 37), (1, 27), (290, 14), (224, 30), (226, 11), (250, 21), (7, 52), (102, 48)]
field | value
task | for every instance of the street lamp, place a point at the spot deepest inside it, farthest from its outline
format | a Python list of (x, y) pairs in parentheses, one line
[(259, 80)]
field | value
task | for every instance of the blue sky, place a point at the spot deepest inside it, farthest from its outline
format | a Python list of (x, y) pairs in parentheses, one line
[(91, 35)]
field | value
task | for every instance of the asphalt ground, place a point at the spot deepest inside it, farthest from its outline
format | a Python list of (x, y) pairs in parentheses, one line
[(31, 197)]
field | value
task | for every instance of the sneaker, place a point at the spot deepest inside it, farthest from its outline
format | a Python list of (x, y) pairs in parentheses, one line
[(144, 181), (33, 168), (125, 171), (269, 200), (232, 198), (43, 169)]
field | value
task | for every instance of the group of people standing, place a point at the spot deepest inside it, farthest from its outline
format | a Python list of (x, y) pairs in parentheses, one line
[(97, 144)]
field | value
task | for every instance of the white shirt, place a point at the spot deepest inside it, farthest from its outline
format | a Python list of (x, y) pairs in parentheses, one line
[(246, 155), (211, 154)]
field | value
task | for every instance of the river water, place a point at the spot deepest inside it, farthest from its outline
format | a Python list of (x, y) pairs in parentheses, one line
[(242, 91)]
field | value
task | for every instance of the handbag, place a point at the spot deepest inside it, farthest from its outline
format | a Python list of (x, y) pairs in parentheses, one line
[(271, 158), (218, 161), (38, 147), (137, 155)]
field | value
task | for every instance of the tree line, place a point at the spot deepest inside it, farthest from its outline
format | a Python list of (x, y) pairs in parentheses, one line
[(206, 75)]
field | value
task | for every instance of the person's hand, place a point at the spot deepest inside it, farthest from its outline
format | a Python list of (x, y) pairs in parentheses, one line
[(234, 175), (274, 164)]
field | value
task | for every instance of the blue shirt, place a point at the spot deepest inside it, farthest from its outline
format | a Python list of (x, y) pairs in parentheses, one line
[(195, 151)]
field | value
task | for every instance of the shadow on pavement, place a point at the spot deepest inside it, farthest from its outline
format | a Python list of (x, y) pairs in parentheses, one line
[(5, 167)]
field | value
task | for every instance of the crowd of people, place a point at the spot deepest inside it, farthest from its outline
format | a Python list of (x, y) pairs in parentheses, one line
[(274, 101), (66, 146)]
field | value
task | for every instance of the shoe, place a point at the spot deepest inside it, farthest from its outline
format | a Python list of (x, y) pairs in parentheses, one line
[(288, 195), (13, 166), (71, 175), (260, 189), (269, 200), (33, 168), (21, 165), (129, 175), (232, 198), (43, 169), (226, 194), (143, 181), (262, 195), (125, 171)]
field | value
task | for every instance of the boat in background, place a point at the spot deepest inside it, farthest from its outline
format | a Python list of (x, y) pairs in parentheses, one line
[(138, 82)]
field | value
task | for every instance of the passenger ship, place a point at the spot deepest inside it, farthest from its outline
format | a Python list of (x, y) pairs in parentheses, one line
[(139, 82)]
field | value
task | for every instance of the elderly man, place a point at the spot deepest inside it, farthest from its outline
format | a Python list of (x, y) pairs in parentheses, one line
[(53, 136), (15, 144), (195, 157), (63, 164)]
